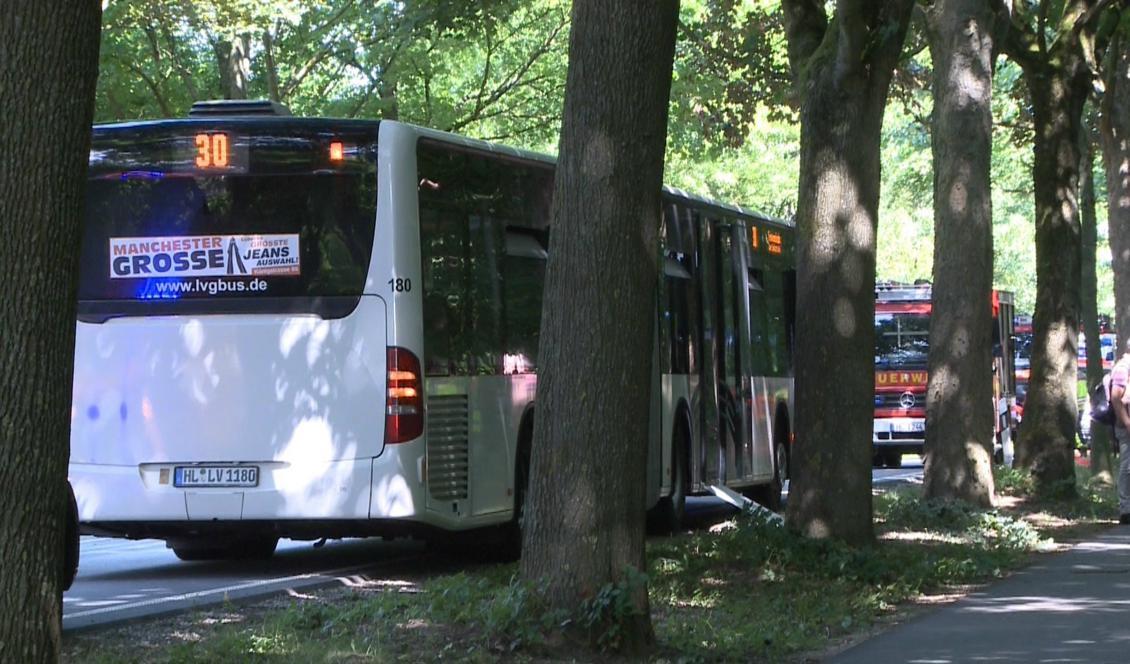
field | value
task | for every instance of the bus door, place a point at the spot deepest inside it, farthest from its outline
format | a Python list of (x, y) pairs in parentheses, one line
[(722, 370), (710, 458), (760, 285), (734, 388)]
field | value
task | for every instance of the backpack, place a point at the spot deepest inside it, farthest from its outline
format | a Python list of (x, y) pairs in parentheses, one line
[(1101, 410)]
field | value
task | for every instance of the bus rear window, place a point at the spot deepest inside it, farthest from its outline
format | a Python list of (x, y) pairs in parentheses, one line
[(256, 222)]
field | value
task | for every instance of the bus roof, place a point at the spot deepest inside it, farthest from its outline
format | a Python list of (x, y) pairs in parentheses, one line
[(434, 134)]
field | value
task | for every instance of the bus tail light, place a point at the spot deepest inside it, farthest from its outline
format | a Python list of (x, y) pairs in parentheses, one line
[(404, 405)]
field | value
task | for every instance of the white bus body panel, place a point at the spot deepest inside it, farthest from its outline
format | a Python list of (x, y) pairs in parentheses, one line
[(298, 396)]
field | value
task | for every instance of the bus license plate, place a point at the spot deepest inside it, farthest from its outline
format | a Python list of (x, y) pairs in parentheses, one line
[(197, 476)]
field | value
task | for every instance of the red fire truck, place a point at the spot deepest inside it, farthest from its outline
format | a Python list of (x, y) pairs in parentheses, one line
[(902, 329)]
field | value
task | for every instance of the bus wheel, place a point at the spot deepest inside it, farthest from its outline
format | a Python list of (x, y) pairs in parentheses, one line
[(260, 548), (667, 515), (71, 550), (255, 548), (508, 539), (769, 495)]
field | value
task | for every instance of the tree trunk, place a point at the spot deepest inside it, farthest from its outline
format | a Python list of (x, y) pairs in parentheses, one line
[(239, 65), (1047, 439), (390, 104), (959, 418), (44, 137), (1102, 460), (233, 58), (843, 70), (1114, 134), (270, 66), (583, 526)]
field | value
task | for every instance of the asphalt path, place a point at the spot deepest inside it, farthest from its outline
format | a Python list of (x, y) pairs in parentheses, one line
[(120, 580)]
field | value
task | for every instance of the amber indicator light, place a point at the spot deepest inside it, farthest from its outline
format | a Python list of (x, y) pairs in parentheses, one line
[(337, 151), (754, 240), (212, 150)]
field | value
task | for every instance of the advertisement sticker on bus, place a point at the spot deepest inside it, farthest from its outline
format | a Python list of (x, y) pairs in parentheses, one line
[(204, 256)]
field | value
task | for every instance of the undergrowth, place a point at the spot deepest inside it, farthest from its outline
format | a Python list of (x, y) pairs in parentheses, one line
[(754, 591)]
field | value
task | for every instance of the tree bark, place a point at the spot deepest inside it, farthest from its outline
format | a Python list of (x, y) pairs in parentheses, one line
[(1114, 135), (959, 419), (1102, 459), (390, 103), (233, 59), (842, 71), (1058, 88), (270, 66), (48, 67), (583, 525)]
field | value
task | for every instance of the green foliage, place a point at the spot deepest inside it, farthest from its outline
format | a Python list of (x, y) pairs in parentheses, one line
[(609, 612), (507, 615), (760, 591), (731, 64), (760, 174), (1010, 481), (753, 591), (1093, 499), (496, 70), (493, 69)]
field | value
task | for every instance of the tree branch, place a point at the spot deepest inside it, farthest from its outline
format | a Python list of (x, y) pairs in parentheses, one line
[(166, 111), (1020, 42), (1087, 18), (313, 61), (805, 26), (515, 80), (305, 70), (887, 36)]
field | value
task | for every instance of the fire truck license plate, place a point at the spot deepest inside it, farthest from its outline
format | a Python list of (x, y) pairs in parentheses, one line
[(907, 427)]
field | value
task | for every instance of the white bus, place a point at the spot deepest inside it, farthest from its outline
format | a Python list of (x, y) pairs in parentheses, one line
[(309, 328)]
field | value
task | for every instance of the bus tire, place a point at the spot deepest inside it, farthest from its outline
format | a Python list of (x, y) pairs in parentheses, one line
[(71, 542), (769, 495), (257, 548), (668, 514), (511, 545)]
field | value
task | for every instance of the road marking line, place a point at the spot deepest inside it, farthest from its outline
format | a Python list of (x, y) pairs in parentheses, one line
[(328, 575)]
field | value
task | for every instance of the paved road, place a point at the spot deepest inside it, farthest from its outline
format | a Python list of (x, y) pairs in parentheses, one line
[(911, 471), (1071, 607), (122, 579)]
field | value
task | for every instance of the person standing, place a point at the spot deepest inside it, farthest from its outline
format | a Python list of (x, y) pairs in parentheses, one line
[(1119, 396)]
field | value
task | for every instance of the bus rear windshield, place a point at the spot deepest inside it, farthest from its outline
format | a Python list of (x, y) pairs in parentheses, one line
[(254, 221)]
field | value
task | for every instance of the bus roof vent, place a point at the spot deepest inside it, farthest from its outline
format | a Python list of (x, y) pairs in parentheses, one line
[(229, 107)]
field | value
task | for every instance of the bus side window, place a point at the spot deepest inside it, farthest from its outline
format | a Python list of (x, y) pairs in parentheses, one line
[(523, 268), (674, 322), (460, 245), (523, 280), (788, 288), (761, 345)]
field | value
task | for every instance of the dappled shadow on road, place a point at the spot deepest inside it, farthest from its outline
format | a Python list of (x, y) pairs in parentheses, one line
[(287, 561), (1070, 607)]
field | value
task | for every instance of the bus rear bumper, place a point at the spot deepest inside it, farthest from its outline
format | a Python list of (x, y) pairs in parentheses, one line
[(333, 490)]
